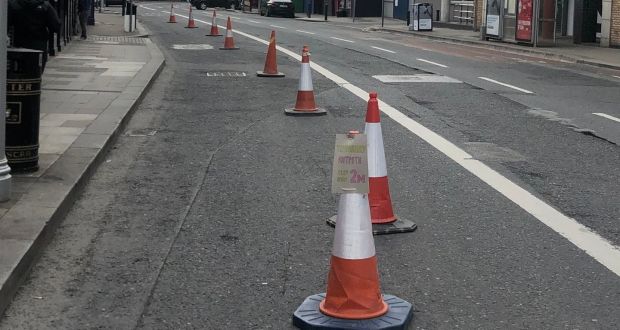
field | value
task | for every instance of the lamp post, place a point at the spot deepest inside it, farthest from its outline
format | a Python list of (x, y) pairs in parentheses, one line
[(5, 170)]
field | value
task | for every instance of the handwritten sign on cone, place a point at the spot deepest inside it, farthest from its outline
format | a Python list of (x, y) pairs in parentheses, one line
[(350, 168)]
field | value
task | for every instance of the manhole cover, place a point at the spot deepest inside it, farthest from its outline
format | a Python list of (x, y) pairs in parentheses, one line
[(226, 74), (416, 78), (192, 47), (117, 40)]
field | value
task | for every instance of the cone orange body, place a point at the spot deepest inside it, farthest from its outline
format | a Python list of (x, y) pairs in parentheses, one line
[(173, 18), (229, 42), (379, 189), (353, 290), (305, 92), (190, 22), (215, 32), (271, 66)]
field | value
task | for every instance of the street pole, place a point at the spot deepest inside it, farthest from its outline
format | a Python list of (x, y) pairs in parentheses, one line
[(5, 170), (353, 15), (382, 12)]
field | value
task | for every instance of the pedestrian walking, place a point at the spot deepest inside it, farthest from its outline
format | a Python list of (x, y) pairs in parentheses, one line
[(32, 22), (83, 13)]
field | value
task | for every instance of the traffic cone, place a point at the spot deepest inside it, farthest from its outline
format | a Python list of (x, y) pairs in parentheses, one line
[(190, 23), (229, 42), (305, 105), (215, 32), (353, 299), (173, 18), (271, 65), (383, 218)]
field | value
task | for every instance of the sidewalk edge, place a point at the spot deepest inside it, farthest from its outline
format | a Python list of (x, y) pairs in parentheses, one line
[(29, 251)]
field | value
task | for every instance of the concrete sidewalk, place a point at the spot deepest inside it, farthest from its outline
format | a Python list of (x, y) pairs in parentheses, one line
[(88, 92), (598, 56)]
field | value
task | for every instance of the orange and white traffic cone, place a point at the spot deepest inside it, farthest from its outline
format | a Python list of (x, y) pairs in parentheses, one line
[(173, 18), (382, 214), (190, 22), (271, 65), (229, 42), (305, 104), (215, 32), (353, 289)]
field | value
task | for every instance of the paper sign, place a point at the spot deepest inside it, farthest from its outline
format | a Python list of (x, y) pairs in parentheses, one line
[(350, 169)]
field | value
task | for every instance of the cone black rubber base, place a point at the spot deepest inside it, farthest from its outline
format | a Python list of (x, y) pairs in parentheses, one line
[(191, 27), (308, 316), (213, 35), (273, 75), (224, 48), (293, 112), (398, 226)]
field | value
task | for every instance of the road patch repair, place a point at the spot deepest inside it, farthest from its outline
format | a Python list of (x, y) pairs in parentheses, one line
[(416, 78)]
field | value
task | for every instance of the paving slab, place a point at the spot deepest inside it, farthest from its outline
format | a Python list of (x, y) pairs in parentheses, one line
[(88, 92)]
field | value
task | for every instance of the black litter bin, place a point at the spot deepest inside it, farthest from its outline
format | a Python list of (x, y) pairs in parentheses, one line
[(23, 98)]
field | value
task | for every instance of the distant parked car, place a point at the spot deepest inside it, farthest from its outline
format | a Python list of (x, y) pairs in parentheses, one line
[(203, 4), (114, 2), (285, 8)]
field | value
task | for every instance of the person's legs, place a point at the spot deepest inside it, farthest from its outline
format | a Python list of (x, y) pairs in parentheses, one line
[(83, 20)]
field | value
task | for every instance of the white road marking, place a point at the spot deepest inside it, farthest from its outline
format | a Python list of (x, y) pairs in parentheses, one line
[(581, 236), (431, 62), (604, 115), (616, 77), (302, 31), (253, 21), (345, 40), (147, 8), (277, 26), (507, 85), (385, 50)]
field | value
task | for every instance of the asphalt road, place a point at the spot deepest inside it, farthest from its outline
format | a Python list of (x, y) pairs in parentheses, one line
[(210, 211)]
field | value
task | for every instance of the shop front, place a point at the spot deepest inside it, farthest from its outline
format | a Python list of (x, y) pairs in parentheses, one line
[(544, 22)]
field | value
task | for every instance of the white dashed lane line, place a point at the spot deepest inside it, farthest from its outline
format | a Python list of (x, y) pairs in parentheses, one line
[(385, 50), (277, 26), (507, 85), (345, 40), (433, 63), (302, 31), (616, 77), (147, 8), (253, 21), (604, 115)]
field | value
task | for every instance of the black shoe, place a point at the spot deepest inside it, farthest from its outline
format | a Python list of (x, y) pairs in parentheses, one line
[(83, 37)]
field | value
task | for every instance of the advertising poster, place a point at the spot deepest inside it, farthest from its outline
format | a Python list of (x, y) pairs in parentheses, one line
[(524, 20), (493, 17)]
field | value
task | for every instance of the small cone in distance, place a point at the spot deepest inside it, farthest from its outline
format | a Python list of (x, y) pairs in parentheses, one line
[(173, 18), (305, 104), (190, 22), (271, 65), (229, 42), (215, 32)]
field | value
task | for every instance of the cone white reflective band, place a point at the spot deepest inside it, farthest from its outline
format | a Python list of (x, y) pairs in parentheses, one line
[(376, 154), (305, 82), (229, 33), (353, 237)]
